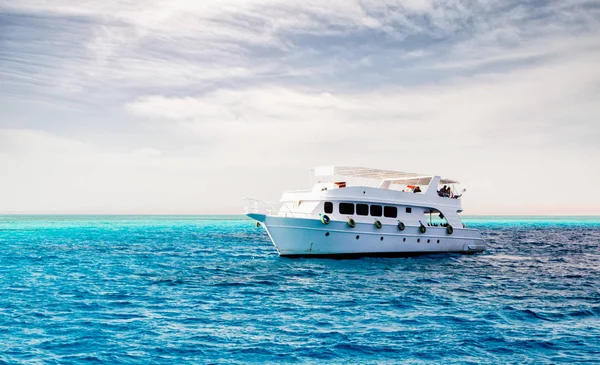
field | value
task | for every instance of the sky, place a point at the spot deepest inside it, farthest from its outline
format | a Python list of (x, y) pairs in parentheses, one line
[(185, 107)]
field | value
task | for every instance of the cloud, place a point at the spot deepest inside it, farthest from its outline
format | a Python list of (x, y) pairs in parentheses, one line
[(535, 101), (45, 173), (115, 103), (494, 130), (189, 46)]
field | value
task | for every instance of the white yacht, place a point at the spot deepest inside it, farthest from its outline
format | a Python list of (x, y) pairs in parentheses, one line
[(357, 211)]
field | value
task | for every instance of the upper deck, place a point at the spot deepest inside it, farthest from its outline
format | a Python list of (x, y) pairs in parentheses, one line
[(387, 178), (390, 185), (417, 194)]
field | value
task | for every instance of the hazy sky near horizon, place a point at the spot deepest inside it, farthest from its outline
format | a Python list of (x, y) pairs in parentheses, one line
[(186, 106)]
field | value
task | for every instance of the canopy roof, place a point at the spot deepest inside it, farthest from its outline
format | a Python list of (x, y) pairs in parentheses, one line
[(395, 177)]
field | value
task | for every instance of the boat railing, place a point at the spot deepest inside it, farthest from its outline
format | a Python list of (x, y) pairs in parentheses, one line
[(254, 206), (286, 211)]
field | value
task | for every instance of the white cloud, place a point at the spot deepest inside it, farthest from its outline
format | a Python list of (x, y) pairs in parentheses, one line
[(508, 130), (489, 92), (44, 173), (191, 44), (534, 100)]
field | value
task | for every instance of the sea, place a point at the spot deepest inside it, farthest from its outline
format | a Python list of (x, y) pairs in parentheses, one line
[(212, 290)]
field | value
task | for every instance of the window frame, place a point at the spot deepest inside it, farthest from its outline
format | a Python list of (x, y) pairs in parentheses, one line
[(362, 205), (346, 205), (394, 209), (380, 210), (409, 210)]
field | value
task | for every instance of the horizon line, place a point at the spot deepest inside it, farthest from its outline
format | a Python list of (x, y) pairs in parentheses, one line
[(243, 215)]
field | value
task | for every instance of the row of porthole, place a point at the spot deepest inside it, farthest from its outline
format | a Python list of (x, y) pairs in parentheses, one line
[(381, 238), (351, 223)]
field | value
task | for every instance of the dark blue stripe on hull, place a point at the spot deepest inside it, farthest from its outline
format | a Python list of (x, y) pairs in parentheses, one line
[(370, 254)]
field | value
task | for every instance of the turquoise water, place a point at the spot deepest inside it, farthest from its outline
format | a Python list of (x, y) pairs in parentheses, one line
[(194, 289)]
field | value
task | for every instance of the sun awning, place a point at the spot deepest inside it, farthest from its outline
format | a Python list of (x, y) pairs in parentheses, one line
[(395, 177)]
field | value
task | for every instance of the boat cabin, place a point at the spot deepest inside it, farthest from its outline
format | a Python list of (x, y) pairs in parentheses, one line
[(366, 194)]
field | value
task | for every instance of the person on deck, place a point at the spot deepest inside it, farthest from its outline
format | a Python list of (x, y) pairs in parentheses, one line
[(444, 191)]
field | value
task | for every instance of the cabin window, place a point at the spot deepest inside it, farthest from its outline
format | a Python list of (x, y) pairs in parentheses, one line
[(390, 212), (328, 207), (346, 208), (362, 209), (408, 210), (376, 210)]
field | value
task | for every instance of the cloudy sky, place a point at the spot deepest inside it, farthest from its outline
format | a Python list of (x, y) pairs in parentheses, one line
[(185, 106)]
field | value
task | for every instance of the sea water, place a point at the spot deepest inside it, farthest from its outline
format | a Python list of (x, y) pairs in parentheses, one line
[(199, 289)]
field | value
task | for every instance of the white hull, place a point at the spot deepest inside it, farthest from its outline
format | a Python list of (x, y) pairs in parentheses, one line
[(310, 237)]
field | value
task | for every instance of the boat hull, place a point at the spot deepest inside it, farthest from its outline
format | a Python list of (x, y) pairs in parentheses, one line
[(297, 237)]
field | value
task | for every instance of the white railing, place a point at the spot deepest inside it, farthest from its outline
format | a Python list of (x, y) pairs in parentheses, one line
[(254, 206)]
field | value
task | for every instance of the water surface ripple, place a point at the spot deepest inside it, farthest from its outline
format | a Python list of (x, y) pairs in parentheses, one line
[(213, 290)]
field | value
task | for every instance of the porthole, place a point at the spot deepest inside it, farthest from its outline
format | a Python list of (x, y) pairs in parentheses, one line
[(438, 241), (404, 239), (381, 239), (428, 241), (418, 240), (327, 234), (357, 236)]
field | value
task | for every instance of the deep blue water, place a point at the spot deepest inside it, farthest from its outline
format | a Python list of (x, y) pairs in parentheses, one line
[(179, 290)]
